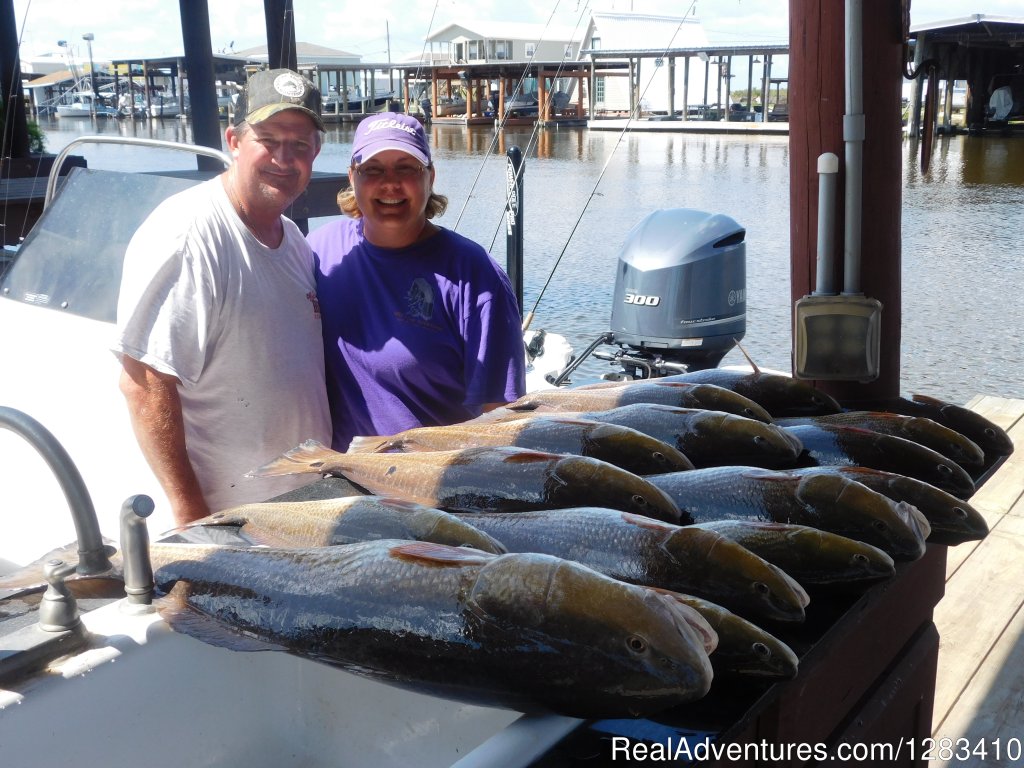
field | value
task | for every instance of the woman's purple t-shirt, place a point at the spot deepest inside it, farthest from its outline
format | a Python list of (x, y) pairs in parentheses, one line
[(415, 336)]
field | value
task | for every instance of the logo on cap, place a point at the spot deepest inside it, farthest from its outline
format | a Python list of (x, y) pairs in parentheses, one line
[(289, 85)]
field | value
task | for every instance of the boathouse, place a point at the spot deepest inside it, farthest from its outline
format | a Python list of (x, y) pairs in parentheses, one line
[(985, 51)]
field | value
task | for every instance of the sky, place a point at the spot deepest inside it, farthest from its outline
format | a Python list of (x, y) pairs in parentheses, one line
[(151, 28)]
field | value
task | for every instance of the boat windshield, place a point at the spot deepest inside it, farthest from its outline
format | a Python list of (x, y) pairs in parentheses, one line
[(71, 260)]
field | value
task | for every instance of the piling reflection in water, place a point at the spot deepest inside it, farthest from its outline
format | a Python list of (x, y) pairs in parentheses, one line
[(960, 231)]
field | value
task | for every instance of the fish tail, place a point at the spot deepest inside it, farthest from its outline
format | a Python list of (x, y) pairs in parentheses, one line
[(310, 456)]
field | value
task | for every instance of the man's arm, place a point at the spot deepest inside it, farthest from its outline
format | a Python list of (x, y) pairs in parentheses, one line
[(155, 409)]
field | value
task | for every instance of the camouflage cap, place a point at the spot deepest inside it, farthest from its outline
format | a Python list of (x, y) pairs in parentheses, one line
[(270, 91)]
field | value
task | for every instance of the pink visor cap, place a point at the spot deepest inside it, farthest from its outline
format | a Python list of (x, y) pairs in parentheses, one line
[(390, 130)]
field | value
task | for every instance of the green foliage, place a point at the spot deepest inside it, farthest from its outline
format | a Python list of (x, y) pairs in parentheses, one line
[(36, 139)]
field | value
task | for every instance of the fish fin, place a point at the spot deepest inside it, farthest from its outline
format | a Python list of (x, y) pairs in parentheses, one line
[(527, 456), (369, 444), (929, 400), (186, 620), (441, 553), (225, 519), (767, 475), (309, 456), (646, 522), (748, 357)]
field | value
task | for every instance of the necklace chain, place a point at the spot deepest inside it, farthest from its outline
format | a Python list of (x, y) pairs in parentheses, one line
[(244, 215)]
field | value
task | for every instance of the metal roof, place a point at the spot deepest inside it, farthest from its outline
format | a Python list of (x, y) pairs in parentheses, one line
[(636, 31), (976, 30)]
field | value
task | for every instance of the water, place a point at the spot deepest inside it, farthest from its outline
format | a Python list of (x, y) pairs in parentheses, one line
[(961, 257)]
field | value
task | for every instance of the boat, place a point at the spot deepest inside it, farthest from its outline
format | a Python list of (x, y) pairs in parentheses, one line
[(166, 106), (85, 104), (77, 472)]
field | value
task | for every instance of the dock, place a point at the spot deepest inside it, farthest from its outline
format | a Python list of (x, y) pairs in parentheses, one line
[(979, 692), (664, 125)]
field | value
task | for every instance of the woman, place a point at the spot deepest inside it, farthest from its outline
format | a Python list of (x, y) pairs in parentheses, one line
[(421, 326)]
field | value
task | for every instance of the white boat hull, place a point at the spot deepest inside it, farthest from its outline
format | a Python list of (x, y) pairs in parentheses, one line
[(144, 695)]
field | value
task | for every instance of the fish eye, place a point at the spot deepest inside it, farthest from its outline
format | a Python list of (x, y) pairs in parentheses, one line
[(659, 457), (639, 500), (761, 588), (989, 432), (944, 470), (636, 644), (860, 559), (758, 439), (761, 650), (878, 525), (960, 512), (749, 413)]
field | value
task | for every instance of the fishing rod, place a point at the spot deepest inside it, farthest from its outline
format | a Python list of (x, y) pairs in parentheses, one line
[(532, 140), (593, 192)]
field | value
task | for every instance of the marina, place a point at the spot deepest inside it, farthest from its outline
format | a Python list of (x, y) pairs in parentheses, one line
[(928, 653)]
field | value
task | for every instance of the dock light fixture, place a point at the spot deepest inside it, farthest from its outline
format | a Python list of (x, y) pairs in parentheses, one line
[(89, 37)]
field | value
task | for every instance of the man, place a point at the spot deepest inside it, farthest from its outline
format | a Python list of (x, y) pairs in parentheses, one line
[(218, 321)]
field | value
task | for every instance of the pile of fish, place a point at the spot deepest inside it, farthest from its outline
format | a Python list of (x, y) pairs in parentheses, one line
[(600, 551)]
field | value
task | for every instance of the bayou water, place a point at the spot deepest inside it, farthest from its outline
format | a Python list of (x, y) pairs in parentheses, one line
[(584, 190)]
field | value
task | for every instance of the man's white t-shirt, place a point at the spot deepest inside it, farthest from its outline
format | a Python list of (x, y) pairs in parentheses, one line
[(238, 324)]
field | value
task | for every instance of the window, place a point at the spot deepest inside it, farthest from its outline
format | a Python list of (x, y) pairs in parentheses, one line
[(599, 89), (531, 48), (595, 43), (568, 52), (499, 49)]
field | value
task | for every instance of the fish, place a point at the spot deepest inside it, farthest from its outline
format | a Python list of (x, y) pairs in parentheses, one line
[(988, 435), (829, 502), (624, 447), (527, 632), (678, 394), (810, 555), (918, 429), (708, 438), (345, 520), (830, 445), (779, 395), (952, 520), (744, 649), (488, 479), (643, 551)]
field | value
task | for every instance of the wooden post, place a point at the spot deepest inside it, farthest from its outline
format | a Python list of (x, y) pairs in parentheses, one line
[(14, 126), (686, 87), (280, 23), (817, 103), (671, 87)]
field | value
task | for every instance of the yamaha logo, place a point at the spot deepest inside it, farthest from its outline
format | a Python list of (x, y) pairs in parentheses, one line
[(638, 299)]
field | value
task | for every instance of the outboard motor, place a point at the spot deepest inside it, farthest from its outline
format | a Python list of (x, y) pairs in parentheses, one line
[(680, 292)]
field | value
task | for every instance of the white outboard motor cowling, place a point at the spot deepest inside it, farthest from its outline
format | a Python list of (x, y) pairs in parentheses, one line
[(680, 289)]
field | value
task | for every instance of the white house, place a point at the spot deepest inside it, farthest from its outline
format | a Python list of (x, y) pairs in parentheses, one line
[(483, 42), (650, 41)]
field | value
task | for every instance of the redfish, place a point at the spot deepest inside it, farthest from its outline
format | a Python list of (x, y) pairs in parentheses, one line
[(644, 551), (485, 479), (677, 394), (622, 446), (527, 632)]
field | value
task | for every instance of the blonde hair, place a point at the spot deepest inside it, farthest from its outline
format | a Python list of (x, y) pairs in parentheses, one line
[(436, 204)]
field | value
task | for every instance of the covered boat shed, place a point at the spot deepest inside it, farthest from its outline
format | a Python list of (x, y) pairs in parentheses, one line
[(986, 51)]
